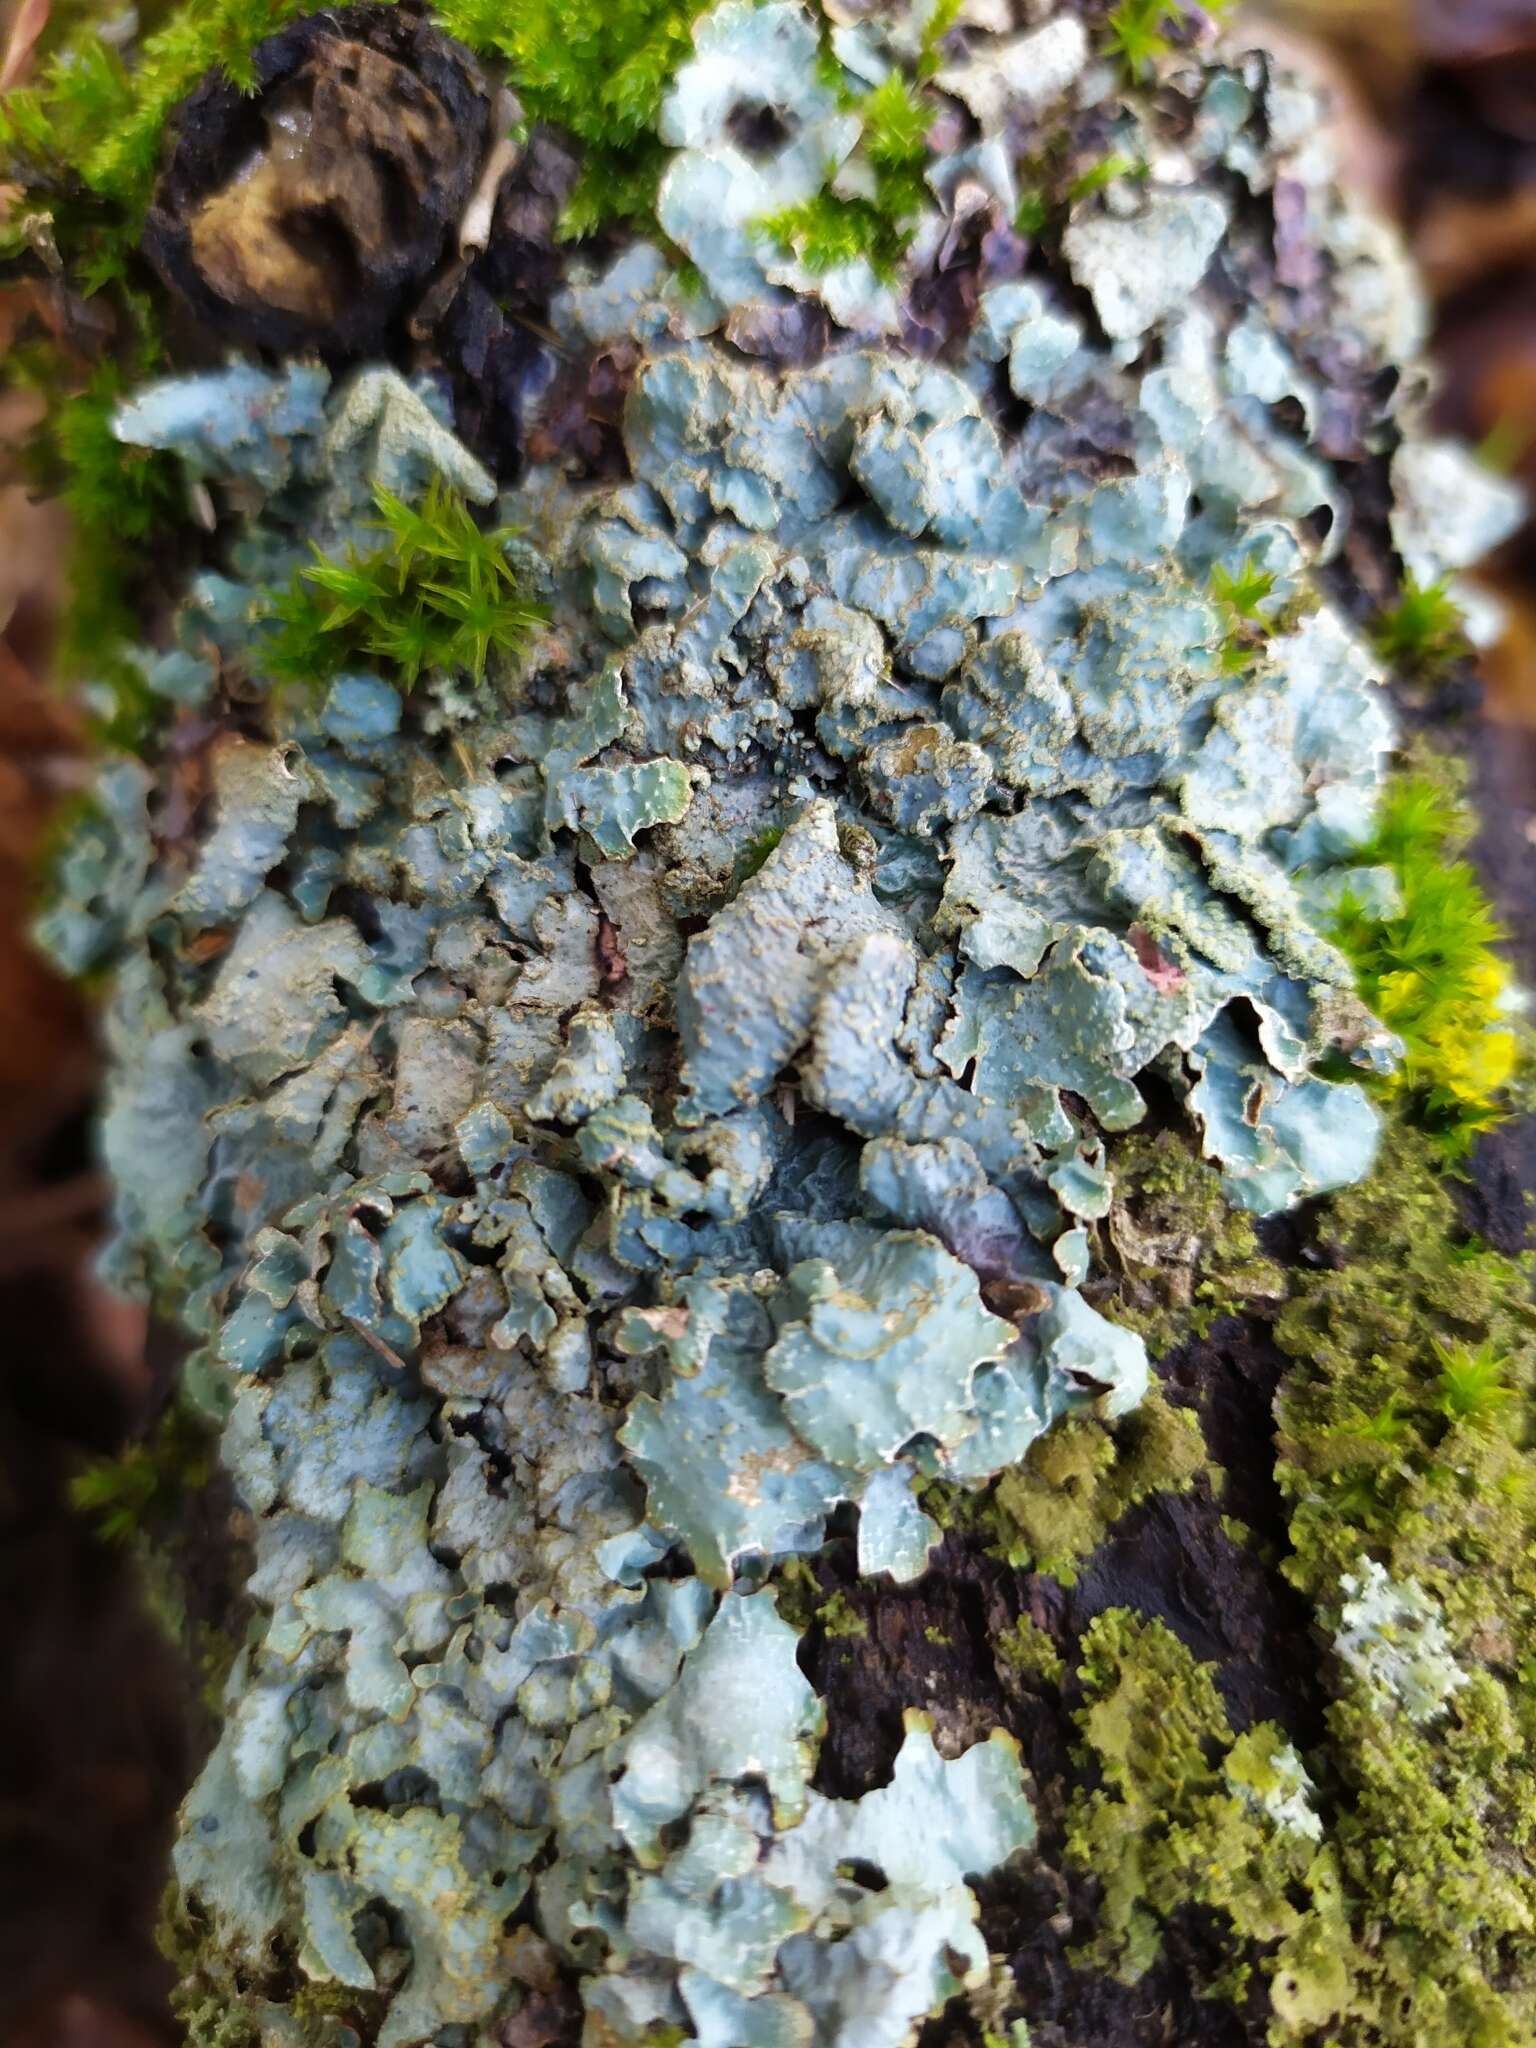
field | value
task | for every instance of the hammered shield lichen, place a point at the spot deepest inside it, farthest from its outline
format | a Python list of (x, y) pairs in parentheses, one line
[(606, 1119)]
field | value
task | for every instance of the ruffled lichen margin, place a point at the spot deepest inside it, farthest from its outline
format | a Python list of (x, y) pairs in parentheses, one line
[(701, 1101)]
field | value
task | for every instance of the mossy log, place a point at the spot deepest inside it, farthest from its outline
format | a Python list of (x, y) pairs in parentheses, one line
[(794, 1032)]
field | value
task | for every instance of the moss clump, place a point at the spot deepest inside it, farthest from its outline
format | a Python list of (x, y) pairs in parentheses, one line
[(85, 140), (598, 72), (1053, 1510), (832, 229), (1405, 1422), (1245, 596), (439, 592), (1187, 1811), (1423, 634), (1186, 1255), (1404, 1438), (139, 1499), (147, 1480), (84, 143), (217, 2006), (1423, 1937), (333, 2014), (805, 1603), (753, 856), (839, 1617), (1139, 32), (121, 503), (1407, 1926), (1136, 33), (1431, 970), (210, 2013), (1028, 1650)]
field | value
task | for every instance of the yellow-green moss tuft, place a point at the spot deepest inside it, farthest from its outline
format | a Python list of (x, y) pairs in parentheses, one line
[(1028, 1650), (1186, 1811), (1397, 1908), (1431, 971), (1405, 1421), (805, 1604), (1053, 1510)]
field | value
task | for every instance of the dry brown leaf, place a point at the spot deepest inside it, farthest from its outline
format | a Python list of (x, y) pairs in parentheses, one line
[(1509, 669), (27, 24), (1460, 239), (1378, 37)]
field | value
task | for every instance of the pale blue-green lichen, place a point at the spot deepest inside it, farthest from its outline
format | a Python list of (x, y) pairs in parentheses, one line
[(622, 1115), (1393, 1639)]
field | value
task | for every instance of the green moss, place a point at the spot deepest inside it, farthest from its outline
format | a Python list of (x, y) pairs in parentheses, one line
[(1103, 173), (598, 72), (122, 503), (1186, 1811), (1028, 1650), (1139, 32), (210, 2020), (85, 141), (1242, 596), (177, 1935), (319, 2006), (839, 1617), (1424, 633), (84, 144), (1427, 1942), (113, 492), (1034, 212), (146, 1481), (1471, 1383), (878, 225), (1405, 1421), (217, 2006), (1404, 1436), (1052, 1511), (438, 593), (805, 1605), (210, 2011), (830, 229), (1186, 1256), (1136, 33), (754, 854), (1431, 971), (139, 1499)]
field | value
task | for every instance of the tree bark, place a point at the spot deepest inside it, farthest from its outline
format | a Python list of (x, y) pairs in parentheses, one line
[(742, 970)]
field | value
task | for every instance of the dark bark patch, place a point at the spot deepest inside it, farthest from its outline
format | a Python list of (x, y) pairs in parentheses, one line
[(927, 1645), (310, 215), (1173, 1559)]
